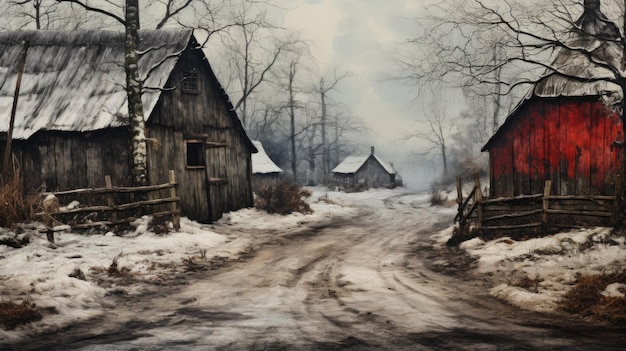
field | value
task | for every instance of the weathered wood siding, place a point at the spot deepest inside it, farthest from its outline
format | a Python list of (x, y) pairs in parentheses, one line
[(375, 174), (71, 160), (571, 141), (224, 184), (372, 172)]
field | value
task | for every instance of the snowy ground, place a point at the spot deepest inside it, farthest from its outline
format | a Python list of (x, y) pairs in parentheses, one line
[(552, 264), (49, 275)]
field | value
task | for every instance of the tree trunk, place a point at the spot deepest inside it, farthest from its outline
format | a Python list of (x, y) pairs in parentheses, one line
[(324, 146), (133, 91), (292, 120), (9, 142)]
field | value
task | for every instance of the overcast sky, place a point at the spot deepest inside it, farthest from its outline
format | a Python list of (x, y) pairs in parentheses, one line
[(358, 36)]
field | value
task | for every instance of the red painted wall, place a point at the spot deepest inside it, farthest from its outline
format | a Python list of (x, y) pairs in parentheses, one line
[(570, 140)]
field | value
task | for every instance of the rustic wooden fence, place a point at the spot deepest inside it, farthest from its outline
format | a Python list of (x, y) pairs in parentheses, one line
[(532, 215), (114, 205)]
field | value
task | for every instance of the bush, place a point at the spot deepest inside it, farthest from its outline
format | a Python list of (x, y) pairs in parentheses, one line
[(15, 207), (586, 298), (282, 198), (436, 198)]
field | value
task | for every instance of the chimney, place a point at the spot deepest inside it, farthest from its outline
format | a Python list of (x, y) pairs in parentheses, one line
[(592, 5), (372, 150)]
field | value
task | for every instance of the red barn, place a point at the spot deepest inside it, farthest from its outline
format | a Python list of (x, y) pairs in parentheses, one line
[(562, 130)]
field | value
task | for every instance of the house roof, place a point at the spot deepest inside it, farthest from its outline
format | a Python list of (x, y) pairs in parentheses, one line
[(75, 80), (261, 163), (352, 164), (574, 73)]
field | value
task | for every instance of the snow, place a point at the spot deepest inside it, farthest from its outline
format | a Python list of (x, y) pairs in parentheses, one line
[(553, 262), (40, 272), (261, 162)]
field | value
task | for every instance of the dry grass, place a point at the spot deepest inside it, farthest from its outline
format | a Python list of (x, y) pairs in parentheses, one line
[(12, 314), (586, 298), (120, 272), (15, 207), (436, 198), (528, 284), (282, 198)]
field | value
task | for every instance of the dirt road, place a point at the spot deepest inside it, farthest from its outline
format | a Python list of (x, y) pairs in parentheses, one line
[(375, 281)]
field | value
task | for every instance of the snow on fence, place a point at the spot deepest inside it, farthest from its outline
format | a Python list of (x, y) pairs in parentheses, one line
[(112, 205), (531, 215)]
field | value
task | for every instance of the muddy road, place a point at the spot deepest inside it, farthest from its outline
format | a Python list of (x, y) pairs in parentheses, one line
[(375, 281)]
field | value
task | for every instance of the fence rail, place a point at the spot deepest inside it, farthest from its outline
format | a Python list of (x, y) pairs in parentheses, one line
[(532, 215), (113, 205)]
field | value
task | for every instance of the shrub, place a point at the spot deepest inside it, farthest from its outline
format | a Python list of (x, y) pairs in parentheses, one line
[(15, 207), (436, 198), (586, 298), (282, 198)]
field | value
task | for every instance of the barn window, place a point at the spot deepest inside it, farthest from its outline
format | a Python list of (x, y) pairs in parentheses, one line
[(195, 153), (189, 83)]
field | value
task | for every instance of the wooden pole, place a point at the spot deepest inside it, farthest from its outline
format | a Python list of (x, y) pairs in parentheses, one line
[(110, 201), (16, 94), (479, 199), (459, 191), (546, 205), (176, 216), (618, 197)]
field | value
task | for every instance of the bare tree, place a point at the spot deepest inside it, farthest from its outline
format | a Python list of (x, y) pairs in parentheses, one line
[(323, 88), (571, 39), (253, 48), (435, 129), (133, 91)]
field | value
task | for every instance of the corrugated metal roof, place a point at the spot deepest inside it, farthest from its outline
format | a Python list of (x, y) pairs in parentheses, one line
[(74, 80), (352, 164), (261, 163)]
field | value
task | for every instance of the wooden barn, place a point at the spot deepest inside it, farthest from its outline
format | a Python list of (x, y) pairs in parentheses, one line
[(556, 160), (263, 168), (71, 124), (562, 130), (369, 170)]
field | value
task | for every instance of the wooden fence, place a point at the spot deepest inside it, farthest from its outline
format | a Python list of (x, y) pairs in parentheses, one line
[(113, 205), (532, 215)]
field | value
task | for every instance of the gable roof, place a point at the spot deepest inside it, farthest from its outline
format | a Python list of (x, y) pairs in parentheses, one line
[(353, 164), (574, 73), (261, 163), (75, 80)]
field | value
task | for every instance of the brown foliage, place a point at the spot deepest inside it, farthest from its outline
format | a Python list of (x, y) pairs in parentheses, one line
[(586, 298), (12, 315), (282, 198), (15, 207)]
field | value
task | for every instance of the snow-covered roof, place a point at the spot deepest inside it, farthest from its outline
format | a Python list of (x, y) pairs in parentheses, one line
[(74, 80), (261, 163), (352, 164)]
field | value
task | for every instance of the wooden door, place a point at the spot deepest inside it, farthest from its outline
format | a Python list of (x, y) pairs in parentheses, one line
[(217, 178)]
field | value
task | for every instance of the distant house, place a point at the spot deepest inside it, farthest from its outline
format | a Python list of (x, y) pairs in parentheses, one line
[(369, 170), (263, 168), (71, 126), (562, 130)]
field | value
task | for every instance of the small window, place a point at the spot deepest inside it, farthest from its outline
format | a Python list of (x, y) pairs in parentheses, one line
[(189, 83), (195, 153)]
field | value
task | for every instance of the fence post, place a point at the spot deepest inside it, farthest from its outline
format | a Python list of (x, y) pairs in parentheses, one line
[(618, 197), (175, 215), (546, 205), (479, 199), (459, 191), (110, 201)]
